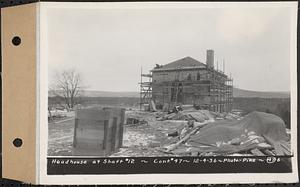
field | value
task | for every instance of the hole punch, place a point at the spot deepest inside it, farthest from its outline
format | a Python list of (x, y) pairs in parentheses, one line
[(16, 40), (17, 142)]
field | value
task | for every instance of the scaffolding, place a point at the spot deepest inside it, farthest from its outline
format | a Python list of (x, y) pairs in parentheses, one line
[(145, 89), (221, 91), (219, 85)]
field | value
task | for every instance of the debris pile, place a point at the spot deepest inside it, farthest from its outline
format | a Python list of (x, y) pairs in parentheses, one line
[(196, 115), (136, 117), (233, 116), (257, 133), (58, 114), (187, 131)]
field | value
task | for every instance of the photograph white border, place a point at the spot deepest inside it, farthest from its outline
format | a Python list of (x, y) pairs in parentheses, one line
[(42, 176)]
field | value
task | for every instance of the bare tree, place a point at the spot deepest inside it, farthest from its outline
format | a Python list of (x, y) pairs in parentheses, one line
[(68, 84)]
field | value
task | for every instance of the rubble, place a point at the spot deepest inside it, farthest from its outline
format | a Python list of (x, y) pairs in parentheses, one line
[(134, 121), (196, 115), (213, 134), (258, 133), (187, 131), (233, 116)]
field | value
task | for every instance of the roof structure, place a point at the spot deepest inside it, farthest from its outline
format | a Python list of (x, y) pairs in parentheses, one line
[(184, 63)]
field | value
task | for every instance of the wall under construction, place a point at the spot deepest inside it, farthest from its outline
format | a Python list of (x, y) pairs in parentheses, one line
[(188, 81)]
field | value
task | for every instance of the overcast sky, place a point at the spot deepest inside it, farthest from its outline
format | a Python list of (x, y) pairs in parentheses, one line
[(109, 46)]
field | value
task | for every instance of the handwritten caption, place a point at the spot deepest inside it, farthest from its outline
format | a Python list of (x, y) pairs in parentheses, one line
[(162, 161)]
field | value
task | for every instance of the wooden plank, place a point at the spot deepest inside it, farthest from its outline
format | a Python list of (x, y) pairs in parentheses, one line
[(279, 151), (285, 150), (199, 144), (121, 129), (152, 106), (268, 152), (174, 146), (113, 134), (113, 138), (277, 146), (286, 147), (105, 134), (257, 152)]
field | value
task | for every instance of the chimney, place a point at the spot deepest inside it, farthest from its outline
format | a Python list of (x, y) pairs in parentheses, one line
[(210, 58)]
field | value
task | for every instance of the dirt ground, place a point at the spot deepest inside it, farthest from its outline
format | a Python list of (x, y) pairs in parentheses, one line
[(150, 136), (60, 141), (138, 140)]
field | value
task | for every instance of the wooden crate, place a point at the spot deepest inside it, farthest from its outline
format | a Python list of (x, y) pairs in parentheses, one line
[(98, 132)]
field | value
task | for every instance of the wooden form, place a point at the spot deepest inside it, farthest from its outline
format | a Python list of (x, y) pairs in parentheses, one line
[(98, 132)]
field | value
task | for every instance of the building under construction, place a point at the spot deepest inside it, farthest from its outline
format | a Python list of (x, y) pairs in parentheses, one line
[(188, 82)]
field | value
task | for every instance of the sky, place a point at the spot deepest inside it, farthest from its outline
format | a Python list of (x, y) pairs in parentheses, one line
[(108, 46)]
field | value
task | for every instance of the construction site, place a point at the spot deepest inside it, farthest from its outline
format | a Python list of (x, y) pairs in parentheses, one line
[(185, 109), (188, 81)]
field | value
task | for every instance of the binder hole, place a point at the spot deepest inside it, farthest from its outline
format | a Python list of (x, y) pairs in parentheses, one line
[(16, 40), (17, 142)]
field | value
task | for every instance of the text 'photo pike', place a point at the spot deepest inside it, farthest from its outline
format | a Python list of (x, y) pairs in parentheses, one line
[(173, 88), (166, 92)]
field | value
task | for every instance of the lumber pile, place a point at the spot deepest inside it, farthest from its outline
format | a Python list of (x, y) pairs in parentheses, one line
[(195, 115), (257, 146), (258, 134)]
